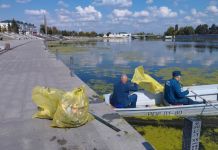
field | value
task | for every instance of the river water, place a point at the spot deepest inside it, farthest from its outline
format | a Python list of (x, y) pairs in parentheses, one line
[(100, 63)]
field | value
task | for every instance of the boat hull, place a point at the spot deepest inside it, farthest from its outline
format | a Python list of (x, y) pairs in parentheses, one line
[(183, 110)]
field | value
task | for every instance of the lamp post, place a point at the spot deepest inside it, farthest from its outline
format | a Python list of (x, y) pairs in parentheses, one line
[(45, 24)]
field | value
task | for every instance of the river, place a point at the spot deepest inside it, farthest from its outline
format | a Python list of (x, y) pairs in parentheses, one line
[(100, 63)]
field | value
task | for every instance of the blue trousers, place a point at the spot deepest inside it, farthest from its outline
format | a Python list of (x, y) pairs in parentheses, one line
[(186, 101), (132, 101)]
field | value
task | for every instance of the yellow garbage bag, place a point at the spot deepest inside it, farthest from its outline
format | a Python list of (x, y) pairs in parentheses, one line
[(72, 110), (47, 101), (146, 82)]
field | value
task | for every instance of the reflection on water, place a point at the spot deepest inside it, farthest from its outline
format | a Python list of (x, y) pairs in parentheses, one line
[(117, 40), (197, 46), (106, 60)]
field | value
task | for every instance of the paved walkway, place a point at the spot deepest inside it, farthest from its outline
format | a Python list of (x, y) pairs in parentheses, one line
[(29, 65)]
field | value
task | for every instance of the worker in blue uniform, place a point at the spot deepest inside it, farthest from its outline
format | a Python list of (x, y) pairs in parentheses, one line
[(121, 97), (173, 93)]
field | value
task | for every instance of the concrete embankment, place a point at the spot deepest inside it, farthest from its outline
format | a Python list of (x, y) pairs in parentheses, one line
[(28, 64)]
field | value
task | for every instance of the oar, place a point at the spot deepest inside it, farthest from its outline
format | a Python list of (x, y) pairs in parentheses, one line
[(105, 122), (204, 100)]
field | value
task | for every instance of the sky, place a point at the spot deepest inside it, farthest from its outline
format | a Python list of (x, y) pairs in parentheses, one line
[(150, 16)]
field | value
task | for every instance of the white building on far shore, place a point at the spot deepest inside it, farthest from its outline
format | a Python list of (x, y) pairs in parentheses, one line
[(24, 28), (117, 35), (4, 25)]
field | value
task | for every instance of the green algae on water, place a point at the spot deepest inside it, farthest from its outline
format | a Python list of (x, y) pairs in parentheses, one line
[(64, 47), (162, 138), (166, 133), (191, 76), (132, 56), (100, 86), (209, 139), (73, 46)]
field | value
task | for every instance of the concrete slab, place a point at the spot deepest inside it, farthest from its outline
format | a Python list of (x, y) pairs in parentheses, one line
[(28, 65)]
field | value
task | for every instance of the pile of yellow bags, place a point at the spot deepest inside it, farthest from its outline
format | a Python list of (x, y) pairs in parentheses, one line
[(146, 82), (47, 100), (67, 109)]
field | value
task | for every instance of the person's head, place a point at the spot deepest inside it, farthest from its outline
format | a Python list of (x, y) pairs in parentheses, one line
[(124, 78), (177, 75)]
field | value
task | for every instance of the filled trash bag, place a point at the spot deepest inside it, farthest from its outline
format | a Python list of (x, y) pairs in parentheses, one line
[(47, 100), (72, 110), (146, 82)]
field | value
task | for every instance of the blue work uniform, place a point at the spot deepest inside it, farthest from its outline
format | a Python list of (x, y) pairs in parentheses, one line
[(121, 98), (174, 95)]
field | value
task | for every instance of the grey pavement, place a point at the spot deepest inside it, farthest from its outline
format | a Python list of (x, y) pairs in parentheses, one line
[(28, 65)]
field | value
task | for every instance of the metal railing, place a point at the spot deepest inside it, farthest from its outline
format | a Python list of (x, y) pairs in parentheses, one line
[(210, 94)]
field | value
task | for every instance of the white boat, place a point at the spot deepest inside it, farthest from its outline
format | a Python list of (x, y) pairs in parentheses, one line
[(147, 103)]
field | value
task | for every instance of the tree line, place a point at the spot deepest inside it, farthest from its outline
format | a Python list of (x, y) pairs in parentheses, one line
[(55, 31), (189, 30)]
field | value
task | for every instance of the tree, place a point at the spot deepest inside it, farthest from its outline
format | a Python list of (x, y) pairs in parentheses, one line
[(14, 26), (74, 33), (188, 30), (65, 33), (93, 34), (176, 27), (9, 27), (170, 31), (42, 29), (180, 31), (140, 33), (0, 28), (54, 30), (81, 33), (202, 29), (108, 33), (213, 29), (86, 34), (3, 29), (101, 34), (49, 30)]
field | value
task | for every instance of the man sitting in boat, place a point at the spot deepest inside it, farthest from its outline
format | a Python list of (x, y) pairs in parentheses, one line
[(120, 97), (173, 93)]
